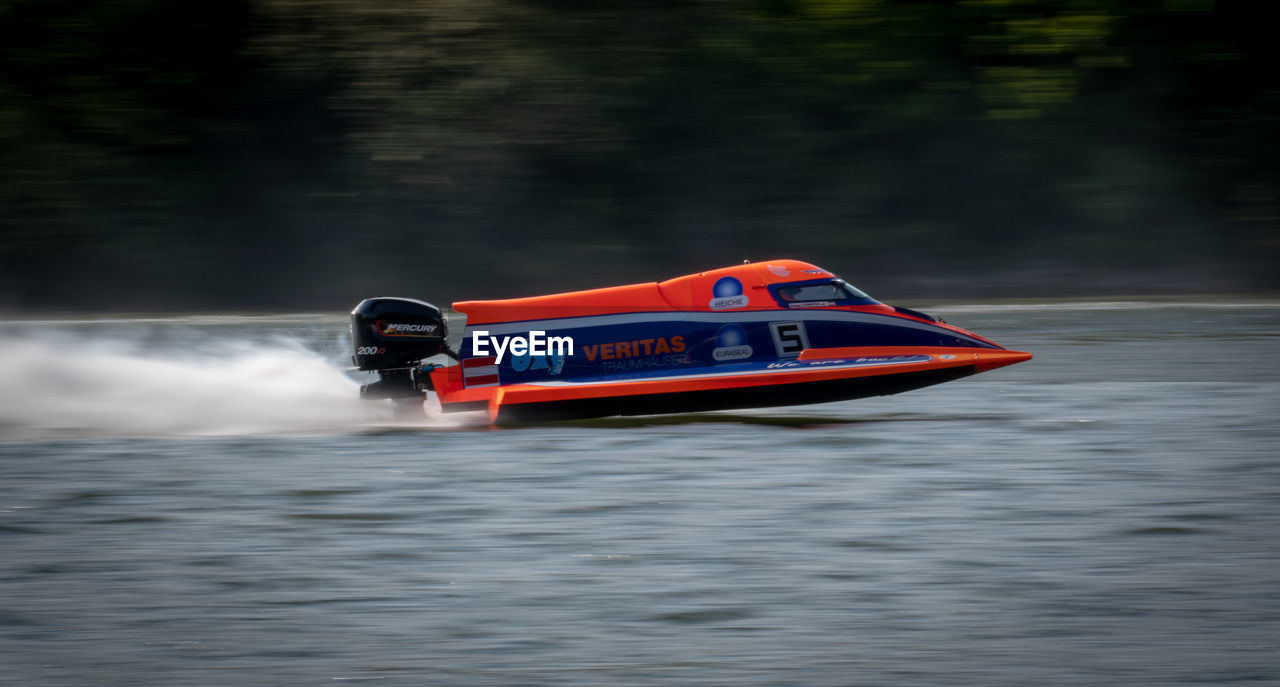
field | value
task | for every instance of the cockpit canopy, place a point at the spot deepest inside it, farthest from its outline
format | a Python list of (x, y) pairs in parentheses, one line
[(818, 293), (749, 286)]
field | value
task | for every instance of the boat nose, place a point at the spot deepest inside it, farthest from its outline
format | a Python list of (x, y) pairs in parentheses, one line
[(990, 360)]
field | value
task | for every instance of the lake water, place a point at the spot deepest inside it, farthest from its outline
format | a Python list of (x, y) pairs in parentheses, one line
[(202, 500)]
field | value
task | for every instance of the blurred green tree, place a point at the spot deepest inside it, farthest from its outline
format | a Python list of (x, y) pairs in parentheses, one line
[(330, 148)]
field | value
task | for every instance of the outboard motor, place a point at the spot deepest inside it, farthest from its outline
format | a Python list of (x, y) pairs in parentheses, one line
[(392, 336)]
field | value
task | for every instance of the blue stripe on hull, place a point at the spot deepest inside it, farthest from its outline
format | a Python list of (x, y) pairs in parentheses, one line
[(739, 369), (658, 345)]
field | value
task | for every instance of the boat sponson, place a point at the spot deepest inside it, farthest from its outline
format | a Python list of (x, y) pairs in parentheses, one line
[(797, 393)]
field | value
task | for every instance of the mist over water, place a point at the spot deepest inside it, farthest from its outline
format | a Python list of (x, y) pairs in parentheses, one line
[(196, 377)]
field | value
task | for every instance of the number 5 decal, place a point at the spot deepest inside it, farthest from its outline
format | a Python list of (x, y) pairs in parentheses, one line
[(789, 338)]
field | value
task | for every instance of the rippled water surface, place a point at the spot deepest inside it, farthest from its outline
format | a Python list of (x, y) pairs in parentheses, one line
[(198, 501)]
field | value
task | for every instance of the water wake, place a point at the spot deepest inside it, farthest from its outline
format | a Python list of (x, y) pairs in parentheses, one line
[(70, 384)]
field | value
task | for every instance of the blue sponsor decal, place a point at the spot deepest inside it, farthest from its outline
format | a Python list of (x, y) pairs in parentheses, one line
[(727, 286), (731, 335), (727, 294), (731, 344)]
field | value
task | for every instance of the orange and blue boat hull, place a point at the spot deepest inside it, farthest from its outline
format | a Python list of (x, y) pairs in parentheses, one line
[(781, 332)]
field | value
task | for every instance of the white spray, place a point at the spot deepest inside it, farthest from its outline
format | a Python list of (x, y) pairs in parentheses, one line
[(64, 382)]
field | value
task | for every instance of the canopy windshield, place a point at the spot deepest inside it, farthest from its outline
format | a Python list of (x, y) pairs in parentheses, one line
[(828, 290)]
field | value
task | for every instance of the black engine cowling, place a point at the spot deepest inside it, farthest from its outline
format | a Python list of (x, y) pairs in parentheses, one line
[(393, 333)]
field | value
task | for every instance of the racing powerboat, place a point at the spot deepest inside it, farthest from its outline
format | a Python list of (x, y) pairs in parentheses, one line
[(773, 333)]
